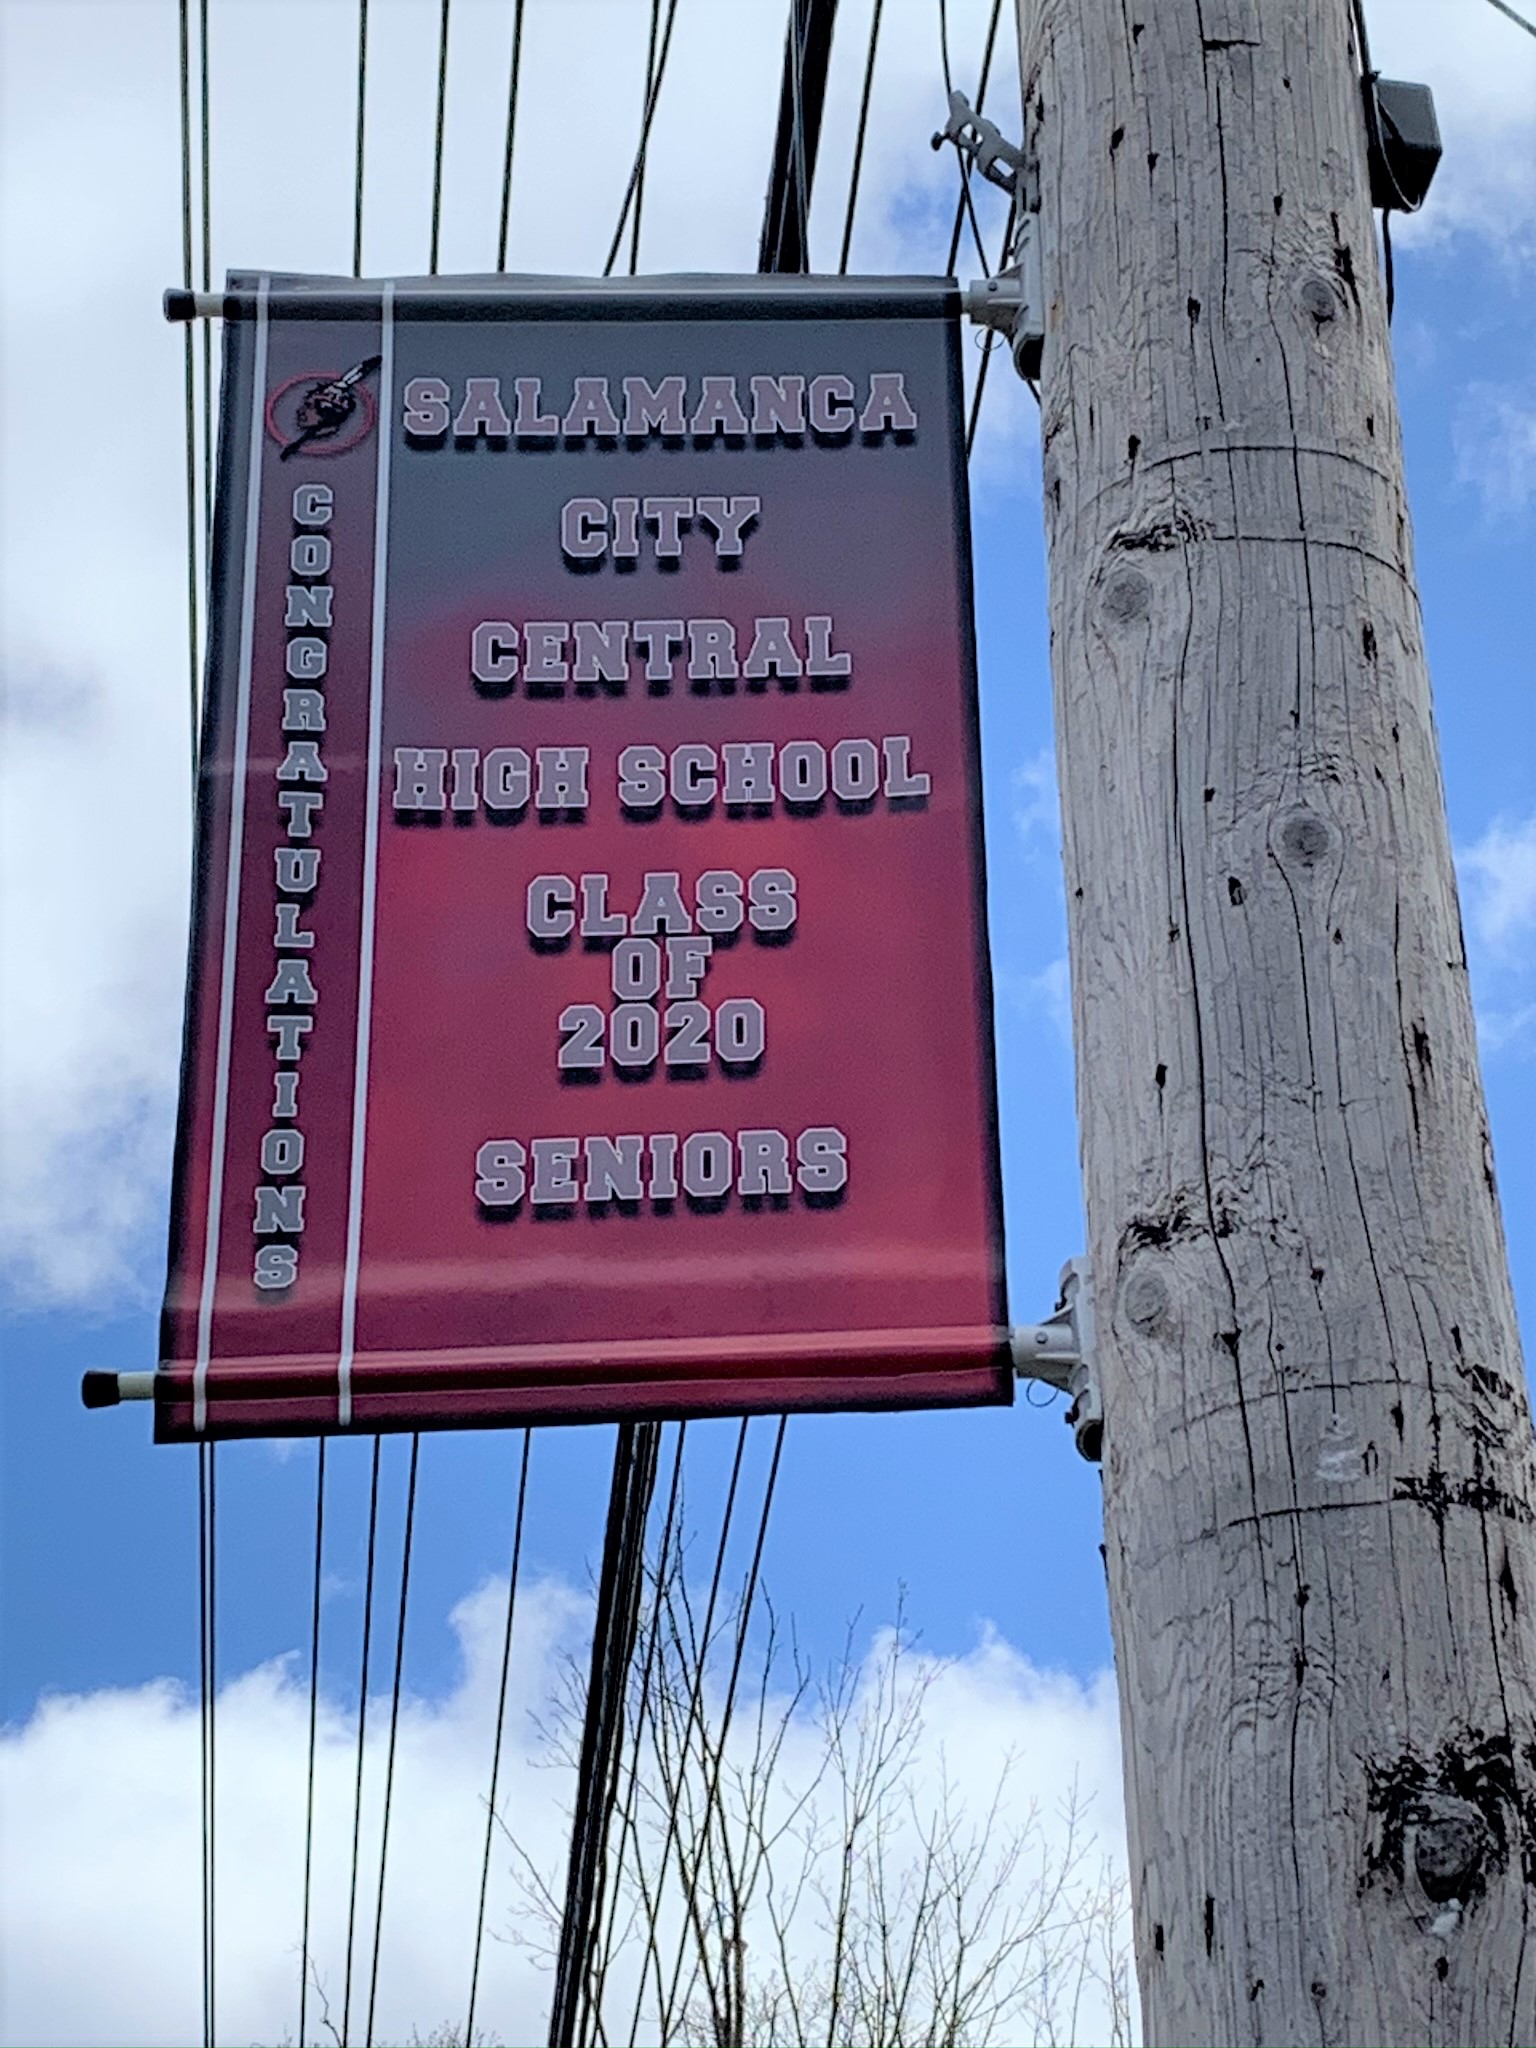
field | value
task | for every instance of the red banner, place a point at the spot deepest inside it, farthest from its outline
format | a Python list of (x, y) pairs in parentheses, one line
[(589, 1010)]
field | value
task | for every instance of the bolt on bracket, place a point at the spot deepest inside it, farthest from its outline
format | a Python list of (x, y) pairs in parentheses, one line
[(1060, 1351)]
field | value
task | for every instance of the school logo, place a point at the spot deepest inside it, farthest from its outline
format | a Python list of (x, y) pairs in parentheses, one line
[(323, 413)]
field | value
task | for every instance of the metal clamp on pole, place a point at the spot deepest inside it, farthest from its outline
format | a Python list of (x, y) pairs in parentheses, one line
[(1060, 1351), (982, 143), (1013, 302)]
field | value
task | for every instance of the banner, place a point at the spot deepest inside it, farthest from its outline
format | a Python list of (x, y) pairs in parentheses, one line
[(588, 1010)]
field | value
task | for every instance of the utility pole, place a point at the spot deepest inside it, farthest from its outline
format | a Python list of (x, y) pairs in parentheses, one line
[(1318, 1477)]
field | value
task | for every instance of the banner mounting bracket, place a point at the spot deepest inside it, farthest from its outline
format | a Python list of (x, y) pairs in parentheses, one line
[(1060, 1351)]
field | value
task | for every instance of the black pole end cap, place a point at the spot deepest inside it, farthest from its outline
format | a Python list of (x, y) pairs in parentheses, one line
[(180, 304), (99, 1389)]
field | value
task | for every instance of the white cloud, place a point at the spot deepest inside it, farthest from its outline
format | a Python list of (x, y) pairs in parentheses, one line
[(1500, 1030), (100, 1882), (1036, 801), (1043, 996), (1051, 991), (1498, 872), (1495, 442), (1482, 70)]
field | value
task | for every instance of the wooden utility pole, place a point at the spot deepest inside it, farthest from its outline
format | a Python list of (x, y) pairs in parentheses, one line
[(1318, 1477)]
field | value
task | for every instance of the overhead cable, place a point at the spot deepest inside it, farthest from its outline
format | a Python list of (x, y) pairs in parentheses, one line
[(394, 1728), (1518, 19), (511, 133), (743, 1623), (362, 109), (858, 142), (784, 245), (362, 1725), (501, 1714), (965, 206), (189, 373), (628, 1829), (207, 1556), (314, 1706), (637, 209), (695, 1701), (441, 131), (642, 150), (613, 1642)]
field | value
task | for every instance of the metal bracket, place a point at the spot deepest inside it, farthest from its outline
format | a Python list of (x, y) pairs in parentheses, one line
[(1000, 162), (1013, 302), (1060, 1351)]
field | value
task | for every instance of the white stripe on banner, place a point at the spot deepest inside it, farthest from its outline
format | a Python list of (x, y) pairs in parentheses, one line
[(370, 863), (255, 453)]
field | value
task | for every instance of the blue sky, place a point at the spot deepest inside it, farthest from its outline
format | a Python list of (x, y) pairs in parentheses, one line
[(988, 1520)]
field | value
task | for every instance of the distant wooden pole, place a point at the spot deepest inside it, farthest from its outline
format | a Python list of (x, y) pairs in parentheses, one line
[(1318, 1481)]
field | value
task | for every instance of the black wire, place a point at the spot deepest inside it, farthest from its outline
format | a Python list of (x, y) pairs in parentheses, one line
[(858, 145), (712, 1792), (501, 1711), (652, 1955), (798, 21), (213, 1738), (190, 395), (637, 169), (362, 108), (314, 1703), (203, 1725), (981, 385), (1377, 148), (362, 1724), (965, 206), (650, 72), (628, 1831), (623, 1662), (613, 1643), (506, 160), (437, 154), (207, 325), (1518, 19), (394, 1724)]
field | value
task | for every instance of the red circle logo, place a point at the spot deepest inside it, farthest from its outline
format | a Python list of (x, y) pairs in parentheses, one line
[(323, 412)]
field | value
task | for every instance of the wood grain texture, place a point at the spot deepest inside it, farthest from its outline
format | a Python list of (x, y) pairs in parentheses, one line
[(1320, 1502)]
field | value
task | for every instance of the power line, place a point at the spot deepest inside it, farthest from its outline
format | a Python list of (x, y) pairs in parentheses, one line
[(613, 1643), (442, 122), (858, 143), (506, 159), (207, 325), (637, 170), (362, 107), (394, 1725), (712, 1791), (314, 1704), (1518, 19), (190, 379), (784, 246), (207, 1511), (653, 1955), (628, 1831), (501, 1711), (965, 208), (362, 1723), (650, 73)]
